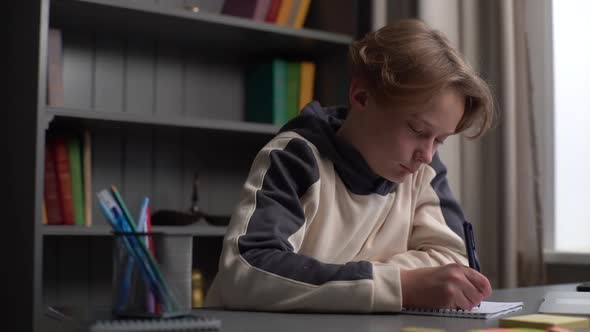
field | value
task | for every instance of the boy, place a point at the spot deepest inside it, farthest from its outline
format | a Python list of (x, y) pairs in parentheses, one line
[(348, 209)]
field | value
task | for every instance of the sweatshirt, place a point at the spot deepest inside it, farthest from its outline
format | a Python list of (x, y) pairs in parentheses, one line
[(317, 230)]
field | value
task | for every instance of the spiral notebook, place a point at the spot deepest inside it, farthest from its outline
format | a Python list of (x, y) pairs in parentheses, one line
[(484, 311), (101, 320), (188, 324)]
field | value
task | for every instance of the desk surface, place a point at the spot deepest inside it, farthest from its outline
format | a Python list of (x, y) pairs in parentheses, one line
[(284, 322)]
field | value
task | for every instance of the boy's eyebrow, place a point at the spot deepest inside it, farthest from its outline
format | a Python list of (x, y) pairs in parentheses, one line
[(431, 125)]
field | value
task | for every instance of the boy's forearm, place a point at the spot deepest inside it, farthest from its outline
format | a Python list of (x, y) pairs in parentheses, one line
[(430, 257), (243, 287)]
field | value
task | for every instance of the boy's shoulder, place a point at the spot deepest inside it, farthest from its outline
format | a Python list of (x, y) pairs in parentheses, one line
[(286, 137)]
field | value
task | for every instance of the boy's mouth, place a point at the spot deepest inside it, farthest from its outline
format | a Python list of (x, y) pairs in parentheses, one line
[(408, 169)]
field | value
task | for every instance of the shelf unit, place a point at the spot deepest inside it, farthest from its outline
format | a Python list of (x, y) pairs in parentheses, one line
[(165, 121), (161, 90), (198, 229)]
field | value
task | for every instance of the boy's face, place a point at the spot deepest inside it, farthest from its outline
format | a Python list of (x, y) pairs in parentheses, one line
[(395, 142)]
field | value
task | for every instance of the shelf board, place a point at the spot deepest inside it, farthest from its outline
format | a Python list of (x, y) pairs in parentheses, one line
[(235, 35), (171, 121), (199, 229)]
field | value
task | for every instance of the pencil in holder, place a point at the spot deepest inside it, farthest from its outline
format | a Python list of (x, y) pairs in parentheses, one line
[(151, 274)]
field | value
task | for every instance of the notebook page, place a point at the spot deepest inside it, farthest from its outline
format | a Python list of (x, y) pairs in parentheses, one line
[(485, 310)]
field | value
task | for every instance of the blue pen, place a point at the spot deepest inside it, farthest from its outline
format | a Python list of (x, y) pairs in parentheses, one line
[(470, 246), (137, 249)]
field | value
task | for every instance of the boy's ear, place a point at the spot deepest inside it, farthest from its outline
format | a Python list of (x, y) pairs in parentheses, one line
[(358, 94)]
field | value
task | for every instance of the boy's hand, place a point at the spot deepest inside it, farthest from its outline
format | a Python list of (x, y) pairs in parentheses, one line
[(449, 286)]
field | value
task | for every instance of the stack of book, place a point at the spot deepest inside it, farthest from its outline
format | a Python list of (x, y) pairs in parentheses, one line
[(277, 90), (291, 13), (67, 181)]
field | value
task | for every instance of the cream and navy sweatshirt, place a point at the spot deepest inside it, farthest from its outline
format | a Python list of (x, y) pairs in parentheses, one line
[(317, 230)]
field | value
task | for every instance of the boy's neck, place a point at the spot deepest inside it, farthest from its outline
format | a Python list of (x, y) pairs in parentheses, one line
[(349, 131)]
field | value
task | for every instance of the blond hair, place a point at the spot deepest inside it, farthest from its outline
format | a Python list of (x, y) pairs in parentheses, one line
[(408, 63)]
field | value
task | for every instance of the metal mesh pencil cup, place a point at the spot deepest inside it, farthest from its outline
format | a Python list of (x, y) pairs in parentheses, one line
[(151, 274)]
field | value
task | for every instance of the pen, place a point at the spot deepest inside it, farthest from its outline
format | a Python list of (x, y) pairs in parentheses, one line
[(470, 246)]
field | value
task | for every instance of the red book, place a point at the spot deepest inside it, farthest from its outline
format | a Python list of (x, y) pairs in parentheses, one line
[(261, 10), (273, 11), (50, 191), (64, 180)]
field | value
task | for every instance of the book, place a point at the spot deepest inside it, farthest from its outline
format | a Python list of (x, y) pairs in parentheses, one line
[(306, 83), (273, 11), (284, 11), (75, 159), (44, 214), (188, 324), (543, 321), (266, 97), (50, 191), (293, 12), (261, 10), (420, 329), (87, 175), (293, 83), (64, 180), (484, 311), (301, 14), (55, 77)]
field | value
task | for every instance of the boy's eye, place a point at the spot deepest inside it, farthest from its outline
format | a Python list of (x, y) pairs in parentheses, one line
[(415, 129), (439, 141)]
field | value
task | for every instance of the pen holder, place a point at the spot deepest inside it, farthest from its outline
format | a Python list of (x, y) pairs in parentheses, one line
[(151, 274)]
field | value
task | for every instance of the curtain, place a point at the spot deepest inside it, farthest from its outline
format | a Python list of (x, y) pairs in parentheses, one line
[(498, 178)]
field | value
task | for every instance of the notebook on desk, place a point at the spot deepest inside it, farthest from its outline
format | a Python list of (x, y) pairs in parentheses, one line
[(568, 303), (484, 311), (101, 320), (188, 324)]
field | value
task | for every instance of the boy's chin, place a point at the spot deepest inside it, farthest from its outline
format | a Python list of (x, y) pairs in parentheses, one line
[(397, 178)]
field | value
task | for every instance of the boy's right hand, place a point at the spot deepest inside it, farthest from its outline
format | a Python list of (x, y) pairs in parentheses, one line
[(450, 286)]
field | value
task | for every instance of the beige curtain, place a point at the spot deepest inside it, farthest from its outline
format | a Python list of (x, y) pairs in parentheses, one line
[(500, 181)]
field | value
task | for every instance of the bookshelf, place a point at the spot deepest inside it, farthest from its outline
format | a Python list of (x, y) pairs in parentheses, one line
[(161, 90), (198, 229), (246, 128)]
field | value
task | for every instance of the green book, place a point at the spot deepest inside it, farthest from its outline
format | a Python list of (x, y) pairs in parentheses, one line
[(266, 95), (293, 81), (75, 160)]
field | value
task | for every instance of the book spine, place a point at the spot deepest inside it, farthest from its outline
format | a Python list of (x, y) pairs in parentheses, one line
[(284, 10), (301, 13), (279, 92), (293, 13), (293, 77), (273, 11), (87, 171), (55, 80), (261, 10), (51, 192), (64, 181), (74, 158), (306, 83)]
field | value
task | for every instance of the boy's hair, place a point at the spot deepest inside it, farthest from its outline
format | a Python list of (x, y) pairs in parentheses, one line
[(408, 63)]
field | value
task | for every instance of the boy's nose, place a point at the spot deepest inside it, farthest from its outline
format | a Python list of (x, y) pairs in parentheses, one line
[(424, 154)]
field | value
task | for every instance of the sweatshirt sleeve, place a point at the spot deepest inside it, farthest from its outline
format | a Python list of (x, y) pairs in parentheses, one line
[(436, 237), (260, 267)]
